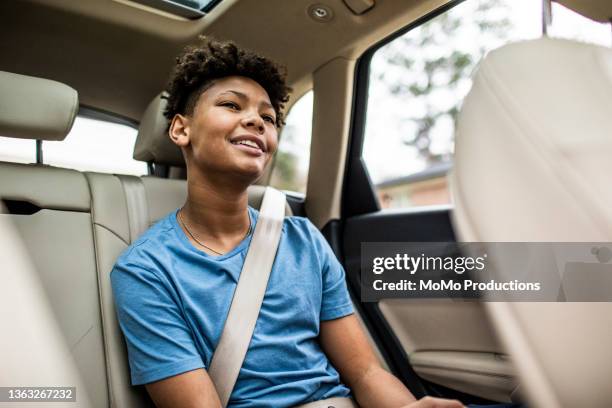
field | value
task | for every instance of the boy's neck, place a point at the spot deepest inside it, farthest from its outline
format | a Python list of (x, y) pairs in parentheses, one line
[(216, 211)]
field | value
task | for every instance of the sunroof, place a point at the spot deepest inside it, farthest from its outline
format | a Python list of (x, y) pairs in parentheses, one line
[(184, 8)]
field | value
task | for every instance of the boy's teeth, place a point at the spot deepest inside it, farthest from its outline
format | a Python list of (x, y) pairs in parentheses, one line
[(248, 143)]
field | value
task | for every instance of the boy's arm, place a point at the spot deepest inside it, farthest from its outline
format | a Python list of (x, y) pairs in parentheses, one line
[(347, 347), (193, 389)]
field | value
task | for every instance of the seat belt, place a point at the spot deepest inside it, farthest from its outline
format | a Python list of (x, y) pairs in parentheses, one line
[(248, 296)]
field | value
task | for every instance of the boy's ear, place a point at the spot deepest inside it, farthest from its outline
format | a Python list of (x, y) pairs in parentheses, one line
[(179, 130)]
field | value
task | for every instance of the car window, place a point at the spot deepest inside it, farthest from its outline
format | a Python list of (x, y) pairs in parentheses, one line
[(91, 145), (96, 145), (290, 169), (17, 150), (417, 81)]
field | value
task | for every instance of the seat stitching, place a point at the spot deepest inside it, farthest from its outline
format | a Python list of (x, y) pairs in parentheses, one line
[(112, 232)]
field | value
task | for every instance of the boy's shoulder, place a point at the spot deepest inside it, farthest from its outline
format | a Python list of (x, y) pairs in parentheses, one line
[(304, 230), (299, 222), (292, 222)]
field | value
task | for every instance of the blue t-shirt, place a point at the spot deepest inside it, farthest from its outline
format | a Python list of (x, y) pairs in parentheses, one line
[(172, 301)]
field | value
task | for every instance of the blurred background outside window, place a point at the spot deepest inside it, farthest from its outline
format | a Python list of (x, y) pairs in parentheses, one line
[(92, 145), (290, 171)]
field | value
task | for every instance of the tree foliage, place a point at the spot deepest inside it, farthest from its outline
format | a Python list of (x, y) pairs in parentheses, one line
[(432, 62), (286, 175)]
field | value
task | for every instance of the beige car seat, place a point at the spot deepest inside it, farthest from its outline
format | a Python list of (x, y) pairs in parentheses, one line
[(32, 348), (49, 207), (533, 148)]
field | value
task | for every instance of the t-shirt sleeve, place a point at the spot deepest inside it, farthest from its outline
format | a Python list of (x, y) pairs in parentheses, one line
[(159, 342), (336, 301)]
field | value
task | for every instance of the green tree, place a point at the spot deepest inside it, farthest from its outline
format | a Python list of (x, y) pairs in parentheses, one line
[(285, 174), (430, 64)]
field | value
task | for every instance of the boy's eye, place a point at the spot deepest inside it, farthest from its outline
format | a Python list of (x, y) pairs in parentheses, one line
[(231, 105), (269, 118)]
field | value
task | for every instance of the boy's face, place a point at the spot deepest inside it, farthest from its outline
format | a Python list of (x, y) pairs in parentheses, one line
[(232, 130)]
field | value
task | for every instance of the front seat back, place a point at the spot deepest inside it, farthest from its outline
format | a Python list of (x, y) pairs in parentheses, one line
[(532, 163), (33, 350)]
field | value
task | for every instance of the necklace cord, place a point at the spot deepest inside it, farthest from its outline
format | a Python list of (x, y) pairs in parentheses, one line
[(180, 216)]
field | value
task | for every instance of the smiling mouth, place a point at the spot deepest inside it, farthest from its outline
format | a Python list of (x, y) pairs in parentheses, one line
[(248, 146)]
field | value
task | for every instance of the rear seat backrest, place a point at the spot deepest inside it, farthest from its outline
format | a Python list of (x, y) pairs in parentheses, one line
[(59, 235), (112, 236)]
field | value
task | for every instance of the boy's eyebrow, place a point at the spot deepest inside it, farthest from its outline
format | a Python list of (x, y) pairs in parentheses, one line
[(244, 97)]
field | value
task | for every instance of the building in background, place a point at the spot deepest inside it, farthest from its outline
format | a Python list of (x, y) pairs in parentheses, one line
[(429, 187)]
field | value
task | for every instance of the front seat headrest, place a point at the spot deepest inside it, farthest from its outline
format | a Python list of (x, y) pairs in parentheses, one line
[(36, 108), (533, 143), (153, 143)]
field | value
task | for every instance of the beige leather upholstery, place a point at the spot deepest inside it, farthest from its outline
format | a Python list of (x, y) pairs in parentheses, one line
[(153, 143), (60, 240), (163, 196), (333, 83), (32, 348), (45, 186), (546, 105), (532, 164), (441, 336), (112, 236), (36, 108)]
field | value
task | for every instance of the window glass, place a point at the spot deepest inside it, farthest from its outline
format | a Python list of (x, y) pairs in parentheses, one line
[(418, 80), (290, 169), (96, 145), (17, 150)]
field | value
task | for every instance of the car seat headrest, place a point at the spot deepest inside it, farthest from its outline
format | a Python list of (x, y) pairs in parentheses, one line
[(36, 108), (153, 143), (532, 145)]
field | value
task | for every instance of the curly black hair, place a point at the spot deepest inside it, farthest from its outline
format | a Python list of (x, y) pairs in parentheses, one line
[(200, 64)]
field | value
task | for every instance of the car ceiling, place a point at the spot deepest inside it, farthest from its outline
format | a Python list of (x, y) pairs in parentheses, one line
[(118, 54)]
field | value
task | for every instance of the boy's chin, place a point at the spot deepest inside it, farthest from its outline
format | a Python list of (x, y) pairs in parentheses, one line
[(245, 172), (248, 174), (250, 170)]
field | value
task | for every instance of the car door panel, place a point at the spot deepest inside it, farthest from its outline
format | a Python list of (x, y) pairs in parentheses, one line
[(448, 342)]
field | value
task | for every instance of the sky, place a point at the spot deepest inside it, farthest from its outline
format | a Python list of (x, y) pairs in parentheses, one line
[(107, 147)]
